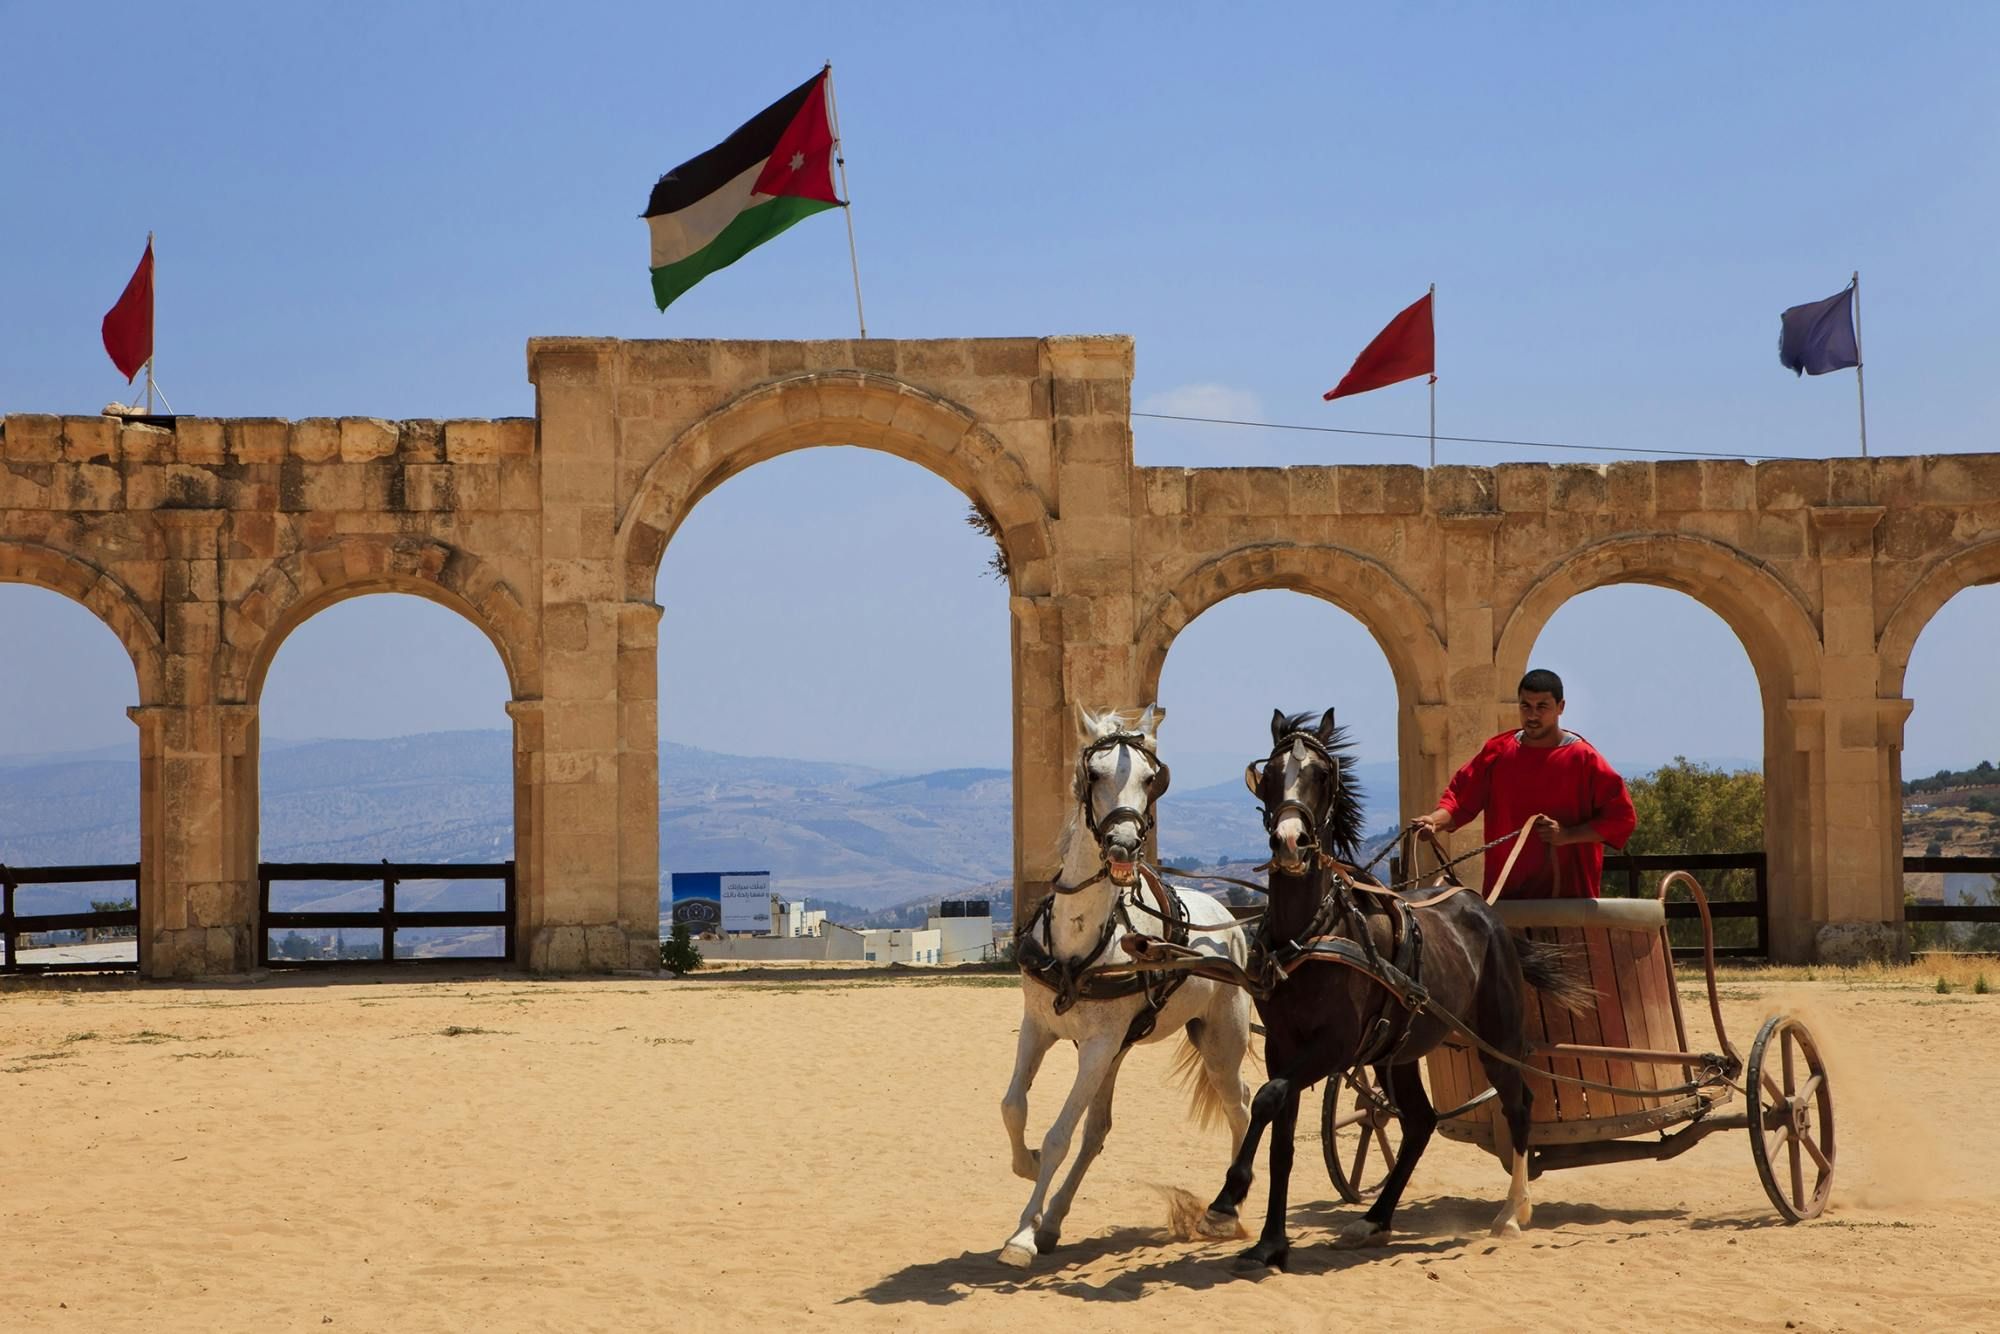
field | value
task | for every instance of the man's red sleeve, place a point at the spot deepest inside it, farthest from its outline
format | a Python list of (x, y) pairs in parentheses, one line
[(1615, 819), (1470, 787)]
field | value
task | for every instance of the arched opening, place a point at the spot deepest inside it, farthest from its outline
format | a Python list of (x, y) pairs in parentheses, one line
[(1224, 674), (835, 710), (1951, 774), (69, 787), (1666, 692), (382, 735)]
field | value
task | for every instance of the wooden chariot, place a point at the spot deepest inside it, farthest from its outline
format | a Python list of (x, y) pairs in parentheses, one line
[(1635, 1038)]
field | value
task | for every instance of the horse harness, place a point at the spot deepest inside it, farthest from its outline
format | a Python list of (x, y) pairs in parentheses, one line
[(1073, 980)]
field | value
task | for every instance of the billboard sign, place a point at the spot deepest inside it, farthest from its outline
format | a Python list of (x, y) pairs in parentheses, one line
[(722, 901), (746, 901)]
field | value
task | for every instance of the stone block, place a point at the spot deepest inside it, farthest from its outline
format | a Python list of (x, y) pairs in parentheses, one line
[(1092, 440), (1402, 489), (31, 437), (429, 487), (1266, 491), (1165, 490), (420, 441), (1677, 486), (651, 362), (1961, 479), (200, 441), (557, 949), (257, 439), (139, 446), (366, 439), (88, 487), (1213, 491), (1844, 944), (89, 440), (1011, 358), (1790, 484), (1577, 488), (1629, 489), (520, 484), (316, 440), (933, 363), (1726, 484), (604, 949), (1360, 487), (1457, 489)]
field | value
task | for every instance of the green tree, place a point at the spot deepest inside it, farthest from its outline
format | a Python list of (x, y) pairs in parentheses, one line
[(678, 953), (1685, 807)]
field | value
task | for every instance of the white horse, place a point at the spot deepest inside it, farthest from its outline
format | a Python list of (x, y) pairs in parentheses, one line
[(1098, 900)]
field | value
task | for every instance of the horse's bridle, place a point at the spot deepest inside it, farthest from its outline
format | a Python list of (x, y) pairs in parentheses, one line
[(1156, 787), (1309, 817)]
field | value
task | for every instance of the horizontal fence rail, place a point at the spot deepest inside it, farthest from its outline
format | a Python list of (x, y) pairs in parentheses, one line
[(1952, 912), (387, 919), (15, 924), (1642, 872)]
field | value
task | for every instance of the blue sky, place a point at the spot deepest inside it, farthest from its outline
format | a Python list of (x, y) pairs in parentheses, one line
[(371, 208)]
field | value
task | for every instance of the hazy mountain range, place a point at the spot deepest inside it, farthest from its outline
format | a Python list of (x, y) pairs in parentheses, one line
[(863, 838), (862, 841)]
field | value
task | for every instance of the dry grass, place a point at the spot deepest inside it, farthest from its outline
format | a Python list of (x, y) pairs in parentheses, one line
[(1961, 972)]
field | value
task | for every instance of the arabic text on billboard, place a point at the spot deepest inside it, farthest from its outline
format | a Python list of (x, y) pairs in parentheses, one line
[(722, 900)]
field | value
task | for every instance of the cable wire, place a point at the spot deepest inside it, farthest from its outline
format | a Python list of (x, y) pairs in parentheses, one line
[(1475, 439)]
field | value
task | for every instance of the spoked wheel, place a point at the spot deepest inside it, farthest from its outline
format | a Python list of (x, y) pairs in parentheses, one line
[(1791, 1118), (1358, 1134)]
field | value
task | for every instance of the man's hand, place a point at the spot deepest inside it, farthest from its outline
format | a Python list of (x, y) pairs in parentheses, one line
[(1561, 835), (1437, 822)]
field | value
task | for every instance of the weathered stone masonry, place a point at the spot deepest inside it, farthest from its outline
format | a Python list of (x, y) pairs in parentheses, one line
[(202, 547)]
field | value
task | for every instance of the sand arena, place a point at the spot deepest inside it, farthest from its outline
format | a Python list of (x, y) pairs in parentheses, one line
[(823, 1150)]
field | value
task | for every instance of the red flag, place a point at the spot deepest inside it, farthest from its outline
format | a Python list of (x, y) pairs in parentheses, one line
[(128, 326), (1405, 348)]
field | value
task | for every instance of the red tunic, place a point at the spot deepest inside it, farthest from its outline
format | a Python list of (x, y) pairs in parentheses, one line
[(1511, 783)]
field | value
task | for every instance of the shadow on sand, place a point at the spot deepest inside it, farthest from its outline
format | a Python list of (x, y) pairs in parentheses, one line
[(1428, 1232)]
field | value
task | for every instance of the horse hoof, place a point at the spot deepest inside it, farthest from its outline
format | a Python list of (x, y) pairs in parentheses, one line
[(1215, 1226), (1508, 1230), (1046, 1242), (1264, 1257), (1360, 1233), (1016, 1256)]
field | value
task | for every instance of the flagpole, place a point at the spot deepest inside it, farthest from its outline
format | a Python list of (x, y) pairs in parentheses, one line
[(1434, 376), (1860, 390), (847, 205), (151, 306)]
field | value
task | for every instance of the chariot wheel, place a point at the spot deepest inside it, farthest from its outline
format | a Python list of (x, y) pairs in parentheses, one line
[(1359, 1135), (1791, 1118)]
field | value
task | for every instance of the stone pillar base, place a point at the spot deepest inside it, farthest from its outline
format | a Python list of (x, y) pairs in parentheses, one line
[(590, 949), (1843, 943), (200, 951)]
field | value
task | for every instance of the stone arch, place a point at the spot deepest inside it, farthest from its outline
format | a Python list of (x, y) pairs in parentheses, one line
[(293, 589), (1768, 618), (1364, 588), (1969, 568), (836, 408), (111, 601)]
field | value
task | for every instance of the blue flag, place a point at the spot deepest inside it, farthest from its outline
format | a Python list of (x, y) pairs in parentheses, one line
[(1819, 337)]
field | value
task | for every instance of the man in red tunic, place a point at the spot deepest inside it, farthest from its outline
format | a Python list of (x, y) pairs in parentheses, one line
[(1541, 770)]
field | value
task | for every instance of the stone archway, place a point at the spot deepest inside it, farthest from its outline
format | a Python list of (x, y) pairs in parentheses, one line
[(1392, 613), (836, 408), (292, 590), (110, 601), (1943, 581), (1783, 645)]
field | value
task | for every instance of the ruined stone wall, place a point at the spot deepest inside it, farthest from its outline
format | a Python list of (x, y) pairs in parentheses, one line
[(203, 546)]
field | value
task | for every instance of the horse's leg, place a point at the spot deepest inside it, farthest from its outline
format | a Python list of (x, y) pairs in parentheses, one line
[(1094, 1060), (1273, 1245), (1028, 1053), (1418, 1119), (1225, 1041), (1515, 1099), (1096, 1125), (1236, 1183)]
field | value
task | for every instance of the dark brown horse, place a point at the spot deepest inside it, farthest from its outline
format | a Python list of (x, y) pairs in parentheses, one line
[(1326, 1018)]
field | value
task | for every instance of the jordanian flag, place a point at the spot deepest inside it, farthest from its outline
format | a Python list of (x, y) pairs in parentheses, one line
[(712, 210)]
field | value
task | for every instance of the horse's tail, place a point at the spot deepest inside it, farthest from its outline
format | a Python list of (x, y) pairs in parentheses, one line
[(1546, 966), (1204, 1103)]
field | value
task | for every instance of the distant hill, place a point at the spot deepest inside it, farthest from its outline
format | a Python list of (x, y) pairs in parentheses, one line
[(870, 841)]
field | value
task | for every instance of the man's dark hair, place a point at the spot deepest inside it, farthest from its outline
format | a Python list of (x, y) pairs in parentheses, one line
[(1542, 681)]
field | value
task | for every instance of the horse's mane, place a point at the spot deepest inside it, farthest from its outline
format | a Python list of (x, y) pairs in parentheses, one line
[(1346, 822)]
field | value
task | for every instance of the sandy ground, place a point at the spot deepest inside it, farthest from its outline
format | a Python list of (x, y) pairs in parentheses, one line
[(630, 1154)]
